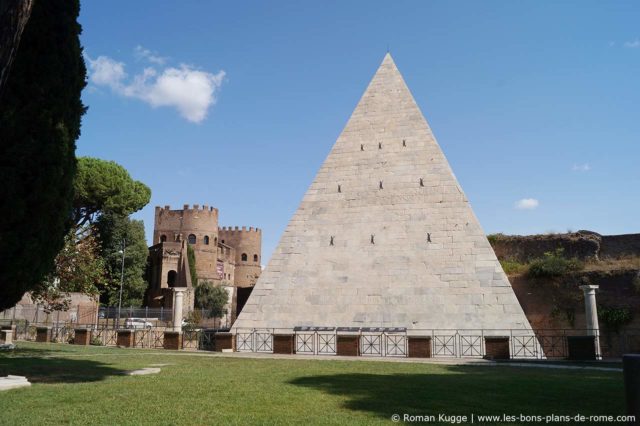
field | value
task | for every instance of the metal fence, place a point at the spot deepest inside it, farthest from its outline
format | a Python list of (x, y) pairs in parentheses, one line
[(372, 342), (471, 343), (102, 335), (110, 316)]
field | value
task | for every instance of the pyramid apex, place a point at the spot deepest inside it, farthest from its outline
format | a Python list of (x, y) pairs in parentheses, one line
[(388, 59)]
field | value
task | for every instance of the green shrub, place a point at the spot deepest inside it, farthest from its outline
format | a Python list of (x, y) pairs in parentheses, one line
[(513, 267), (553, 264), (493, 238), (95, 341), (614, 317)]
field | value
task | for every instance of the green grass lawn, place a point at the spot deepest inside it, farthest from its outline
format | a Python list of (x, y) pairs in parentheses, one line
[(85, 385)]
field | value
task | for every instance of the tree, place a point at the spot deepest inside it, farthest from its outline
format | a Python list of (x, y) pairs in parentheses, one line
[(112, 230), (14, 15), (211, 298), (40, 116), (78, 268), (191, 255), (105, 187)]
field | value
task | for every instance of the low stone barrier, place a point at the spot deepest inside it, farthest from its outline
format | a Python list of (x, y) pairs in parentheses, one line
[(419, 346), (125, 338), (224, 341), (348, 345), (43, 334), (173, 340), (284, 344), (82, 336), (497, 347)]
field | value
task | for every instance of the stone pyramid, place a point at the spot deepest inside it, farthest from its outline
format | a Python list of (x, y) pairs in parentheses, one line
[(384, 237)]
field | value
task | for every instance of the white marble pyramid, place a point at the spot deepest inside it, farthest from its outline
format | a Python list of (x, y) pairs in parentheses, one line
[(385, 236)]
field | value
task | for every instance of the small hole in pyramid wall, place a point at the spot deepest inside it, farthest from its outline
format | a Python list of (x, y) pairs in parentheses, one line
[(428, 237), (421, 182), (373, 241), (404, 142), (361, 147), (339, 188), (380, 145), (381, 185), (331, 241)]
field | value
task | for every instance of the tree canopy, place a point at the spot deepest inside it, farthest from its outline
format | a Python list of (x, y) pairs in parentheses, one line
[(78, 268), (113, 229), (103, 186), (40, 116), (211, 298)]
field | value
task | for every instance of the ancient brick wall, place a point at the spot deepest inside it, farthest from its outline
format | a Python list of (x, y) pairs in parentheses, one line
[(247, 243), (583, 245)]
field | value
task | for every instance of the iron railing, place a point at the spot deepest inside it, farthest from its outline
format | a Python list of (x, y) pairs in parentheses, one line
[(372, 342), (469, 343)]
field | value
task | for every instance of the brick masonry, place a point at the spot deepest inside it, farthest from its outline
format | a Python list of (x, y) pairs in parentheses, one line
[(419, 347), (496, 347), (125, 338), (173, 340), (283, 344), (348, 345), (384, 236), (82, 336), (224, 341), (43, 334)]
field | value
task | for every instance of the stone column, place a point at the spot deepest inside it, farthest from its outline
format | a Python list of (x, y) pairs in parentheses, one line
[(177, 308), (591, 314)]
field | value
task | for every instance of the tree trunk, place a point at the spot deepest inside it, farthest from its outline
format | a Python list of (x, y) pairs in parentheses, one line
[(14, 15)]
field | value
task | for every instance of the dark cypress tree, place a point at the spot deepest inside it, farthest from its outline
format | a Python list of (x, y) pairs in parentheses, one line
[(40, 115)]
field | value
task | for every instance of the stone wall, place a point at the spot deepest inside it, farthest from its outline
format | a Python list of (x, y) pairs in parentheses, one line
[(583, 245), (536, 296), (247, 242), (615, 246)]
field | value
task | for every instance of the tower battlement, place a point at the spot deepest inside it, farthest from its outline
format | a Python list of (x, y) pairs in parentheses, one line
[(238, 229), (186, 207), (197, 225)]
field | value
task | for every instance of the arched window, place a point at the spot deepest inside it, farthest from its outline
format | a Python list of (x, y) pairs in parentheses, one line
[(244, 257), (191, 239), (206, 239), (172, 278), (255, 257), (163, 238)]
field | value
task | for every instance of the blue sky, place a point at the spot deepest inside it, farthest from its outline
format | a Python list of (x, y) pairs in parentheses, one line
[(535, 104)]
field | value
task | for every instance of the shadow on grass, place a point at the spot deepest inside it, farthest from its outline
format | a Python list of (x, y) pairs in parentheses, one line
[(457, 390), (38, 366)]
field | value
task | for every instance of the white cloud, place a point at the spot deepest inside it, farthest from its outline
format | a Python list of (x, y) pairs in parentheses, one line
[(581, 167), (146, 54), (633, 44), (527, 204), (191, 91), (106, 72)]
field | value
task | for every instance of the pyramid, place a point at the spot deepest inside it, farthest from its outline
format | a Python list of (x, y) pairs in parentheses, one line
[(384, 236)]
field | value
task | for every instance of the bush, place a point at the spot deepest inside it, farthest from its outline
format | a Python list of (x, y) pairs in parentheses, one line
[(192, 321), (553, 264), (95, 341), (493, 238), (513, 267), (614, 317)]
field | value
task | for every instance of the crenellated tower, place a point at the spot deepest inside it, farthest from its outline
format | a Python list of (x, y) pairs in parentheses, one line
[(248, 252), (198, 226)]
